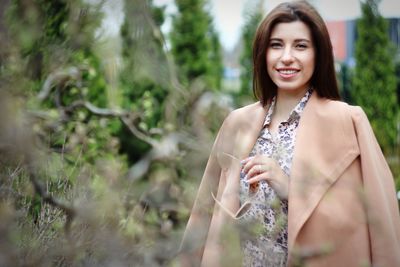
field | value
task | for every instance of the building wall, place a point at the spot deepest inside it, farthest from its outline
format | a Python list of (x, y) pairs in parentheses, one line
[(338, 33), (344, 34), (394, 31)]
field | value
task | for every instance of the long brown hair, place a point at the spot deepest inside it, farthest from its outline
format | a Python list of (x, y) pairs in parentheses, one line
[(323, 79)]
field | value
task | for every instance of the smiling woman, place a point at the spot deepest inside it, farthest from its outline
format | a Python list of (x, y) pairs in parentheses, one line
[(298, 178), (290, 57)]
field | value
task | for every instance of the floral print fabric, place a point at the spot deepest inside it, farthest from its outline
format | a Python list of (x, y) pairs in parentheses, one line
[(264, 224)]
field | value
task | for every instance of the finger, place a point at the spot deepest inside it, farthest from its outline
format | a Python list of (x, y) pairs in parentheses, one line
[(256, 170), (244, 161), (251, 163), (258, 178)]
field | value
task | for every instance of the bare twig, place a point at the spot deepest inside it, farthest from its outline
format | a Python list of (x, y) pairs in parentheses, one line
[(138, 133), (59, 77), (69, 211), (301, 256), (124, 116), (104, 112)]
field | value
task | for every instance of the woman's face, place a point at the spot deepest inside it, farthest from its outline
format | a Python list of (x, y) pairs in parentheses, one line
[(291, 57)]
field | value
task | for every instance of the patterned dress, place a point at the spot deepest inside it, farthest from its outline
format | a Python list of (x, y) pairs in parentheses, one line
[(264, 224)]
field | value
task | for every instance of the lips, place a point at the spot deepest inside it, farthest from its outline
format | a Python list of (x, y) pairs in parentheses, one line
[(287, 72)]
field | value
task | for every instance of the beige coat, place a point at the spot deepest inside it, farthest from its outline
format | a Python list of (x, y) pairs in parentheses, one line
[(342, 202)]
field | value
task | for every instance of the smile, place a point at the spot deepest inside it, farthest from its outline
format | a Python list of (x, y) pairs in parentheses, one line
[(287, 73)]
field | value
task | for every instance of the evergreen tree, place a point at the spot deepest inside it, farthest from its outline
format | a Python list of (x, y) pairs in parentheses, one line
[(194, 42), (217, 67), (144, 76), (54, 66), (253, 17), (374, 80), (40, 26), (55, 39), (52, 35)]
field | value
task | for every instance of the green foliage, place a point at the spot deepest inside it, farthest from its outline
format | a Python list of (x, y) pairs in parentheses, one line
[(68, 196), (52, 43), (48, 32), (344, 79), (253, 17), (195, 44), (144, 80), (94, 86), (397, 67), (66, 42), (217, 68), (374, 80), (72, 153)]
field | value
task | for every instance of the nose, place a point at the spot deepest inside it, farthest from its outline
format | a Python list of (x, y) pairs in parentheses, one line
[(287, 55)]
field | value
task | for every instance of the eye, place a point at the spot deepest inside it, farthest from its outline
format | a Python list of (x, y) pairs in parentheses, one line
[(275, 45), (302, 46)]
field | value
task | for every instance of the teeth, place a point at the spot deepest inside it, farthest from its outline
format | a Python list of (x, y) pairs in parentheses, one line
[(287, 71)]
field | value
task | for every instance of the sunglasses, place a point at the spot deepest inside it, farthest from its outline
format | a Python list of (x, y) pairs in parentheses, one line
[(226, 160)]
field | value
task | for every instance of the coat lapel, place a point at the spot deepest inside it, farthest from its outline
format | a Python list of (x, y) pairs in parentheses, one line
[(325, 146), (244, 138), (236, 145), (250, 130)]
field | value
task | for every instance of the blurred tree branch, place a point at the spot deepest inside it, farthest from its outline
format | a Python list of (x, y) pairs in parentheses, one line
[(17, 144), (69, 211), (166, 147)]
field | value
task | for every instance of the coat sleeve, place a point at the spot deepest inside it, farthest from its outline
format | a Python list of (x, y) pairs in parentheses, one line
[(197, 228), (380, 196)]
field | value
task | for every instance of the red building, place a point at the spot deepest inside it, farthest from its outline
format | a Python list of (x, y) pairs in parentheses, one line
[(338, 33), (344, 33)]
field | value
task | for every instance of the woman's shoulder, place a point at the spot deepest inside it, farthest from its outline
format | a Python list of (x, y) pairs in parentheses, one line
[(241, 115), (349, 109), (246, 110), (351, 113)]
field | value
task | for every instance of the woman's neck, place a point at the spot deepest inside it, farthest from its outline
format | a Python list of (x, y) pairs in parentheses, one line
[(285, 103)]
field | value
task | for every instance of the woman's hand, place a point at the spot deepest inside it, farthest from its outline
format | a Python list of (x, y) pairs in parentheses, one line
[(265, 168)]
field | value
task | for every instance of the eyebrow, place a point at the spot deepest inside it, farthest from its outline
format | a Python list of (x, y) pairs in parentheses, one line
[(296, 40)]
